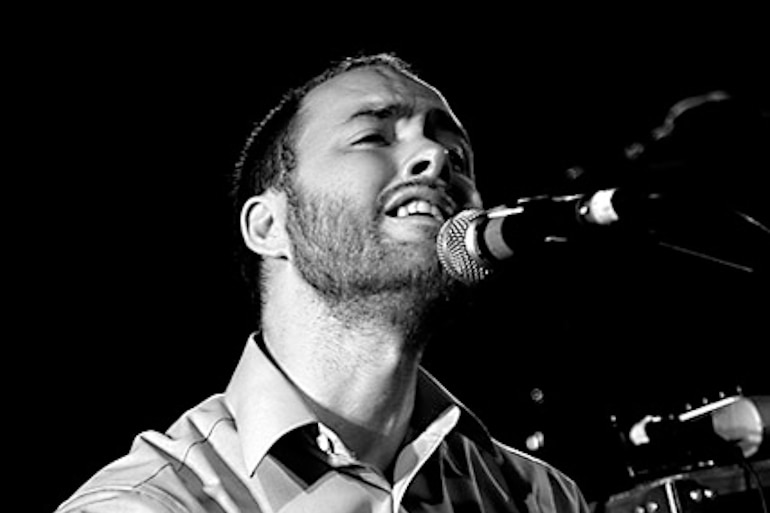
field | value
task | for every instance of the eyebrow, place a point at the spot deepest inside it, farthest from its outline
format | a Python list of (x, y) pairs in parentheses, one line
[(380, 111), (444, 121)]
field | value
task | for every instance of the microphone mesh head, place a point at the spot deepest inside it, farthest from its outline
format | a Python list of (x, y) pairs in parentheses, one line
[(455, 246)]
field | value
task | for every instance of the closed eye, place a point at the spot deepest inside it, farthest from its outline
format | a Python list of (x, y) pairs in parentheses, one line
[(458, 160), (373, 138)]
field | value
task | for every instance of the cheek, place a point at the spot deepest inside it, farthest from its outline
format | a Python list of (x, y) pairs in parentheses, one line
[(359, 177), (466, 192)]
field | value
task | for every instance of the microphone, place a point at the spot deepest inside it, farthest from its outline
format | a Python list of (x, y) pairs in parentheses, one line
[(473, 242), (737, 420)]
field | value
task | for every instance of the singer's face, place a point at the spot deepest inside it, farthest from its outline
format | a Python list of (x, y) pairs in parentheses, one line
[(381, 163)]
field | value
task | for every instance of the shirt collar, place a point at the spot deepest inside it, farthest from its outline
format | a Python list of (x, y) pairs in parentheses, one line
[(264, 418), (265, 404), (433, 399)]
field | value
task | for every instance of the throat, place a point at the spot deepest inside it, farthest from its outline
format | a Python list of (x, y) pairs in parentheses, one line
[(402, 316), (371, 413)]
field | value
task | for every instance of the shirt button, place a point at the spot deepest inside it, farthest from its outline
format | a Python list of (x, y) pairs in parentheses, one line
[(324, 443)]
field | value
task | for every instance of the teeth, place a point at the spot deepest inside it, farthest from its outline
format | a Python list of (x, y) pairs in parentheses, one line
[(420, 207)]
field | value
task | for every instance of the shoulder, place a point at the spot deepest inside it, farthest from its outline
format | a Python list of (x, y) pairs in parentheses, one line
[(121, 500), (160, 472), (549, 487)]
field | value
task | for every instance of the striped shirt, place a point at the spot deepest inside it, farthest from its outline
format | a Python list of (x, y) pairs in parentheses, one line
[(258, 448)]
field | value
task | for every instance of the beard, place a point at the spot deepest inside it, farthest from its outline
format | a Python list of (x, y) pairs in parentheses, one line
[(363, 277)]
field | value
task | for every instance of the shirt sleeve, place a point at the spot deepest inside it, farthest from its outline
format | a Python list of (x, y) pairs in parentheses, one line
[(564, 494), (119, 502), (545, 488)]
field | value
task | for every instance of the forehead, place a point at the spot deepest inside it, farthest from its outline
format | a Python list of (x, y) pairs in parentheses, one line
[(336, 99)]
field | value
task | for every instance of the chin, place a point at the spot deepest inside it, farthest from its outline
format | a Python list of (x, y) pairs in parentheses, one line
[(418, 255)]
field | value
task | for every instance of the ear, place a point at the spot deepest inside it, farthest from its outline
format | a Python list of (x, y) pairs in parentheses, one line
[(263, 224)]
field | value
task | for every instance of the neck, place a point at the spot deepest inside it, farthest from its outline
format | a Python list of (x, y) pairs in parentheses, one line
[(359, 376)]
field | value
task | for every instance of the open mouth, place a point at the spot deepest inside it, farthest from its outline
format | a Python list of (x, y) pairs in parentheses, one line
[(420, 203), (420, 208)]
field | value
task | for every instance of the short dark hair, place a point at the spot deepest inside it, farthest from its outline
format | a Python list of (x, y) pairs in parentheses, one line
[(269, 154)]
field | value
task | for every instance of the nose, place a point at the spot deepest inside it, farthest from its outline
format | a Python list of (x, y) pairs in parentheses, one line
[(429, 161)]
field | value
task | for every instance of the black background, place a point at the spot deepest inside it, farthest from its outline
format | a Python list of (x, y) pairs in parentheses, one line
[(128, 302)]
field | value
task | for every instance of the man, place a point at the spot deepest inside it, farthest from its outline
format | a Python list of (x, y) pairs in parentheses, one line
[(341, 193)]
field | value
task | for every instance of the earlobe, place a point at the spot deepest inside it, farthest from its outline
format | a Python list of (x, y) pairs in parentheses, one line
[(262, 226)]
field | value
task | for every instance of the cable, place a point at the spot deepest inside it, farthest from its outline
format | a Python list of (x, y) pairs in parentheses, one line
[(752, 221), (705, 256), (753, 475)]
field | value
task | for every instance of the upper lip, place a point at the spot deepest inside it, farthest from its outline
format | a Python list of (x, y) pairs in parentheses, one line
[(433, 195)]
